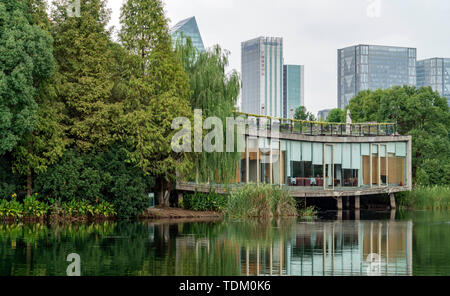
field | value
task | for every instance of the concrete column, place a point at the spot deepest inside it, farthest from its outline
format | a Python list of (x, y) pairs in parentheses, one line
[(339, 203), (357, 202), (357, 215), (392, 198), (347, 202)]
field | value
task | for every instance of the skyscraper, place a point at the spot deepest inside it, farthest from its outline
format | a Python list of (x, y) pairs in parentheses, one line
[(262, 76), (372, 67), (435, 72), (188, 28), (293, 89)]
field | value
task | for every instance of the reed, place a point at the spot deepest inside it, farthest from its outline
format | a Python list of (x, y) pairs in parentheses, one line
[(426, 198)]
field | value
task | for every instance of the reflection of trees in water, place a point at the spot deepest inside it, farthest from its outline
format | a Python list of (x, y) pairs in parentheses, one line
[(253, 247)]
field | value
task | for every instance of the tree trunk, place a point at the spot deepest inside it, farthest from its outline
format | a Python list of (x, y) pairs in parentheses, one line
[(167, 194), (161, 192), (29, 183)]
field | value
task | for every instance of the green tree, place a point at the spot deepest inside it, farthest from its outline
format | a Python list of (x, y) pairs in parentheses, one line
[(337, 116), (421, 113), (83, 81), (215, 93), (302, 114), (26, 61), (155, 93)]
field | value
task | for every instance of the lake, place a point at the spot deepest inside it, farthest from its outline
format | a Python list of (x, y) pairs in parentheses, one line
[(378, 243)]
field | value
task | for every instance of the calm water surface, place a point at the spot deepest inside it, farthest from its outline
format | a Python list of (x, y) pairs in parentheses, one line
[(412, 243)]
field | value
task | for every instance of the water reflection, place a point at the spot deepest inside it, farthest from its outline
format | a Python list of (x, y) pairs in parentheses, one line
[(278, 247)]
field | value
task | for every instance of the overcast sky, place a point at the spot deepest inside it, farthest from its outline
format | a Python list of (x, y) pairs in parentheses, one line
[(313, 30)]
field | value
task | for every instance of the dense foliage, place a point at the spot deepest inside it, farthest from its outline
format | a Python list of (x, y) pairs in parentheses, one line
[(303, 114), (263, 201), (205, 202), (336, 115), (83, 117), (419, 112)]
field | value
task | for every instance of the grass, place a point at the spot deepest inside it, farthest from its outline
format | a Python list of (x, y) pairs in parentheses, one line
[(265, 201), (426, 198)]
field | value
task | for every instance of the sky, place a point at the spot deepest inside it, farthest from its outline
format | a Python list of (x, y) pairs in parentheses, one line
[(313, 30)]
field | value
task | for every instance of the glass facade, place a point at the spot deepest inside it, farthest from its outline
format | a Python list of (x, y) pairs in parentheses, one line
[(293, 89), (262, 76), (371, 67), (436, 74), (188, 28), (325, 165)]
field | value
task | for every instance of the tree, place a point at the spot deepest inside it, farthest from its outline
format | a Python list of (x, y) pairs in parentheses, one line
[(215, 93), (336, 116), (302, 114), (421, 113), (155, 93), (26, 61), (83, 81)]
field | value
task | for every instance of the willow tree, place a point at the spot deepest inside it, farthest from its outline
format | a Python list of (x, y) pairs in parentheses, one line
[(156, 92), (214, 92)]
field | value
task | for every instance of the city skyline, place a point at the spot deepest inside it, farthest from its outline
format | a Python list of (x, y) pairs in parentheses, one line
[(318, 29)]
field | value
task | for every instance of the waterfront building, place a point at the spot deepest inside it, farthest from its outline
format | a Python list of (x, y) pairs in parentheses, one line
[(435, 72), (262, 76), (293, 89), (372, 67), (322, 160), (323, 114), (188, 28)]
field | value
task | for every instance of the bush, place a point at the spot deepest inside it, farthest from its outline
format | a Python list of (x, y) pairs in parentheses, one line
[(11, 210), (98, 177), (205, 202), (33, 208), (260, 201)]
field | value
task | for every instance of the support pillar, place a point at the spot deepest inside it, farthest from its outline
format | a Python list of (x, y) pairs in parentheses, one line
[(347, 202), (392, 198), (357, 202), (339, 203)]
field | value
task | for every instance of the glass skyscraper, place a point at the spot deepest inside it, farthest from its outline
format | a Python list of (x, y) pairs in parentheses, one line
[(262, 76), (293, 89), (435, 72), (188, 28), (372, 67)]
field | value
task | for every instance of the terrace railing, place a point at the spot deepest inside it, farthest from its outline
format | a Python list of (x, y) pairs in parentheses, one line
[(318, 128)]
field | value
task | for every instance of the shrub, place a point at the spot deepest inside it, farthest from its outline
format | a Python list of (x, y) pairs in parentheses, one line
[(205, 202), (260, 201), (98, 176), (33, 208), (11, 210)]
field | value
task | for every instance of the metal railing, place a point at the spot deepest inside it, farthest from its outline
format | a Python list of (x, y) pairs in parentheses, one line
[(318, 128)]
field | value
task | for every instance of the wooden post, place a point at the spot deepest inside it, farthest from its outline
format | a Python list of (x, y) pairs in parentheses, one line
[(392, 198), (339, 203), (357, 202)]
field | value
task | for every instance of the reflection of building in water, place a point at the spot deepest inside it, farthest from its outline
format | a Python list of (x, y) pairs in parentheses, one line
[(361, 248)]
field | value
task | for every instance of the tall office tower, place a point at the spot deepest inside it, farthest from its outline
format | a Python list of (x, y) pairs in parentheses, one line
[(262, 76), (293, 89), (435, 72), (188, 28), (371, 67)]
